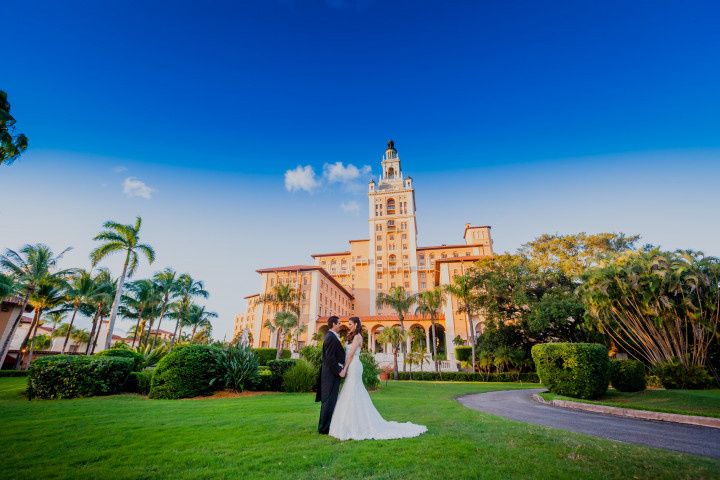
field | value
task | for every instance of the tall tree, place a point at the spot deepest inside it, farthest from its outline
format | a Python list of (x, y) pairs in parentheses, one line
[(12, 144), (98, 305), (430, 303), (28, 267), (284, 323), (168, 286), (125, 239), (50, 293), (55, 318), (188, 288), (79, 292), (400, 301), (198, 317), (139, 302), (395, 337), (286, 299), (462, 289), (8, 287)]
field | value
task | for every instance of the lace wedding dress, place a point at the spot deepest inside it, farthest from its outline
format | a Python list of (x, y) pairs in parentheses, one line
[(355, 416)]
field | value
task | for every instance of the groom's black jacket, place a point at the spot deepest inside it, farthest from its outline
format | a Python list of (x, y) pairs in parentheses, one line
[(333, 358)]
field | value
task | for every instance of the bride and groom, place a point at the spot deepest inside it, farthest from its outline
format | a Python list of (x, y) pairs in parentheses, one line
[(351, 415)]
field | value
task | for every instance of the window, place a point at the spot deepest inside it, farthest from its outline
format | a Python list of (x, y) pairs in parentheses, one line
[(378, 238), (404, 246), (379, 248), (379, 286), (272, 282), (407, 285), (378, 228), (404, 236), (390, 210), (444, 255), (422, 285), (391, 237), (455, 254)]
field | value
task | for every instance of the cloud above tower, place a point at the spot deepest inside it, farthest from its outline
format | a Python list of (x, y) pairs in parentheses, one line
[(339, 173), (304, 178), (301, 178)]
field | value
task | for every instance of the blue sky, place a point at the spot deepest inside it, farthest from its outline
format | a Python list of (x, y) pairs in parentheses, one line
[(531, 117)]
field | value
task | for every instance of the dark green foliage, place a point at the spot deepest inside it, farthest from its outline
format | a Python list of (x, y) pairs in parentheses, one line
[(278, 369), (370, 370), (313, 354), (265, 380), (300, 377), (137, 358), (13, 373), (627, 375), (463, 354), (70, 376), (139, 382), (239, 370), (265, 355), (187, 372), (674, 375), (579, 370), (470, 377)]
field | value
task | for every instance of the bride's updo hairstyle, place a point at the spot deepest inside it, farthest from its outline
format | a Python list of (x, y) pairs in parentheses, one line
[(355, 331)]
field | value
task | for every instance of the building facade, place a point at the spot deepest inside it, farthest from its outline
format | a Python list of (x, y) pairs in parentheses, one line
[(346, 283)]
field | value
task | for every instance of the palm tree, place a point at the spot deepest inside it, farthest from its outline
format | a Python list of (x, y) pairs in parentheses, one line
[(8, 287), (462, 289), (167, 285), (198, 317), (48, 294), (394, 336), (79, 293), (284, 322), (55, 318), (141, 299), (400, 301), (126, 239), (286, 299), (28, 267), (97, 305), (42, 342), (430, 302), (188, 288)]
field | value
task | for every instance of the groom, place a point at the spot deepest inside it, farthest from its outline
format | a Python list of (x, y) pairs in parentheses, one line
[(333, 360)]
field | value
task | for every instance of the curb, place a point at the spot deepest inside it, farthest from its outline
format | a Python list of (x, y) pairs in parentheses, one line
[(631, 413)]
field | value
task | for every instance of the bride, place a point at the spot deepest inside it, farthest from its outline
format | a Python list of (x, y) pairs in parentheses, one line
[(355, 416)]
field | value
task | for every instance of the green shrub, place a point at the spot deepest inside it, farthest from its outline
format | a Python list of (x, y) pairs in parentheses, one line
[(579, 370), (463, 354), (653, 381), (278, 369), (471, 377), (627, 375), (265, 380), (140, 382), (187, 372), (674, 375), (265, 355), (137, 358), (313, 354), (239, 368), (70, 376), (370, 370), (300, 377), (13, 373)]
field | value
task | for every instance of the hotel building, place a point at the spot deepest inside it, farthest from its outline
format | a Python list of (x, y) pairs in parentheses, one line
[(346, 283)]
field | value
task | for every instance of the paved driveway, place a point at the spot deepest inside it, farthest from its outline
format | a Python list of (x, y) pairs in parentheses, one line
[(517, 405)]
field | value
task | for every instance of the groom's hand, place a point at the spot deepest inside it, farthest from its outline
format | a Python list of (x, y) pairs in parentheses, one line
[(342, 373)]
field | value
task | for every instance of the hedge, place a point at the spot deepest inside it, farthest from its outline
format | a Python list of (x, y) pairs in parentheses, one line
[(578, 370), (137, 358), (463, 354), (673, 375), (627, 375), (13, 373), (265, 355), (188, 372), (265, 380), (139, 382), (530, 377), (278, 369), (70, 376), (300, 377)]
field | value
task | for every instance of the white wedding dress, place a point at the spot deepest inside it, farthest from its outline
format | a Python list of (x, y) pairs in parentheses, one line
[(355, 416)]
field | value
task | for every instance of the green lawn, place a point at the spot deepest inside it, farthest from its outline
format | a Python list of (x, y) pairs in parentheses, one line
[(273, 436), (687, 402)]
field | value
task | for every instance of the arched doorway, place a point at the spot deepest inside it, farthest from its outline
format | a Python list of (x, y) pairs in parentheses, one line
[(439, 340), (377, 347), (418, 340)]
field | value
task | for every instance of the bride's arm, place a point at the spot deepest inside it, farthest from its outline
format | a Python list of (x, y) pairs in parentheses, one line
[(357, 343)]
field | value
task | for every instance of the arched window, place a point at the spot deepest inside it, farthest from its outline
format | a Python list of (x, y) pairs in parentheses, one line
[(391, 173), (391, 206)]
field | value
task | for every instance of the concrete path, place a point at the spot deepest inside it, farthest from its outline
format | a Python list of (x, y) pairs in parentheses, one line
[(517, 405)]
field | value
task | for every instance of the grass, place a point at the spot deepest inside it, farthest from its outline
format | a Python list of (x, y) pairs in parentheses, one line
[(273, 436), (705, 403)]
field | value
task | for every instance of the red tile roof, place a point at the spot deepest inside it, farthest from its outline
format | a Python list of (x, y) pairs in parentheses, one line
[(334, 254), (305, 268), (439, 247)]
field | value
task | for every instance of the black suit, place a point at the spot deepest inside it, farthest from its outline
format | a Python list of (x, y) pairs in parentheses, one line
[(333, 359)]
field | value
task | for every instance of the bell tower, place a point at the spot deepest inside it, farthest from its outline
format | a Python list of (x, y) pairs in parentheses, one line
[(392, 229)]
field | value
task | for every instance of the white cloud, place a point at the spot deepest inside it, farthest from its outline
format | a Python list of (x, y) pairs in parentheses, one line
[(337, 172), (350, 207), (134, 187), (301, 178), (119, 169)]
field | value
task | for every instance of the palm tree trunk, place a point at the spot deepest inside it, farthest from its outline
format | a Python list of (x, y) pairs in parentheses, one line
[(175, 334), (11, 333), (97, 337), (278, 344), (137, 329), (23, 345), (396, 376), (192, 334), (32, 341), (403, 345), (93, 331), (471, 331), (162, 314), (149, 331), (116, 302), (434, 344), (67, 336)]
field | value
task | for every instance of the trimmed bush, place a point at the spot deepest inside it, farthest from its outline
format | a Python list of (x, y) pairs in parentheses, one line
[(463, 354), (266, 355), (470, 377), (278, 369), (188, 372), (139, 382), (13, 373), (239, 368), (578, 370), (137, 358), (627, 375), (370, 370), (673, 375), (313, 354), (265, 380), (300, 377), (70, 376)]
